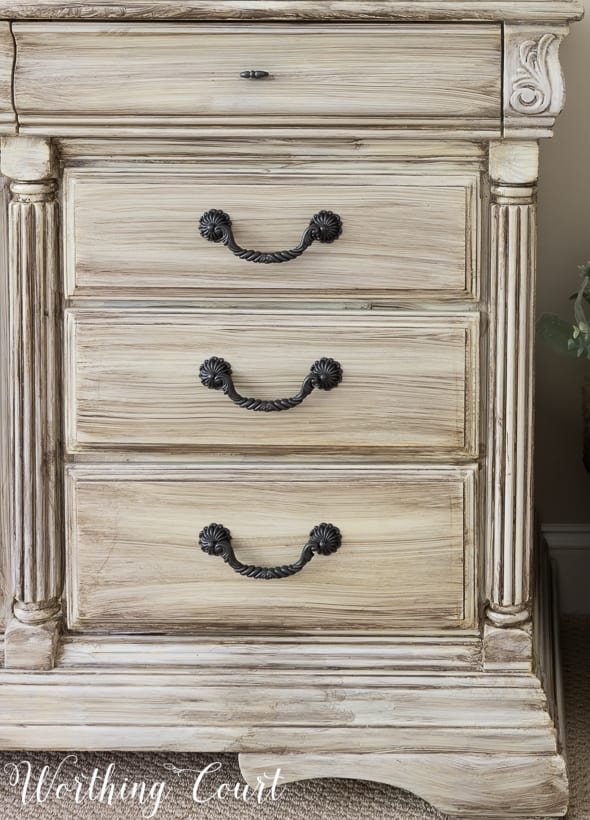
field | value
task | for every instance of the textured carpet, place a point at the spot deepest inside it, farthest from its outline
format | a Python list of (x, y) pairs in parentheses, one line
[(310, 800)]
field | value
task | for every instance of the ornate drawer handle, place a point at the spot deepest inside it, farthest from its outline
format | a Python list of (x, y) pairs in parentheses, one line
[(215, 226), (215, 539), (254, 74), (215, 373)]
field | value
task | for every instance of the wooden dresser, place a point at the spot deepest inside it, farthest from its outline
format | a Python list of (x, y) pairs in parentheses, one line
[(267, 296)]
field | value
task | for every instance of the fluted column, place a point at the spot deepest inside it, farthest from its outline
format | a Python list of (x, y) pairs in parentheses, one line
[(513, 173), (32, 635)]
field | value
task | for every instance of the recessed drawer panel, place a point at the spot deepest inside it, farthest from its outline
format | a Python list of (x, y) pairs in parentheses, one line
[(404, 556), (87, 75), (408, 382), (137, 233)]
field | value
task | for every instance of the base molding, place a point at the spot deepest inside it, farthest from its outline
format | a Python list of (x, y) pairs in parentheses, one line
[(472, 740), (466, 785), (477, 744)]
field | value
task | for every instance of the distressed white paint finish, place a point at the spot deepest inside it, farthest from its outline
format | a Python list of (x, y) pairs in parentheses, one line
[(317, 73), (311, 720), (376, 649), (523, 779), (440, 652), (513, 163), (513, 270), (534, 90), (533, 742), (239, 10), (132, 381), (6, 464), (326, 148), (7, 114), (31, 645), (28, 158), (35, 408), (135, 232), (314, 701), (407, 556)]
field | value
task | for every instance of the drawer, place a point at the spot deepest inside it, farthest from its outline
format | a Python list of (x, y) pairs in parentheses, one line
[(409, 381), (137, 233), (406, 556), (71, 74)]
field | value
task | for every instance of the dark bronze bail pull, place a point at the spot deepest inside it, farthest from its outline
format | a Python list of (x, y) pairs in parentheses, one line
[(215, 226), (215, 539), (216, 374)]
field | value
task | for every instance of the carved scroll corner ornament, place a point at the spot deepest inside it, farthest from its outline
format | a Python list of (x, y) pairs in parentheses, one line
[(537, 86)]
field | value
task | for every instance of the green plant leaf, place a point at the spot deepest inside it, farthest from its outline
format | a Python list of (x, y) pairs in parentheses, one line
[(556, 333), (563, 337), (575, 295), (579, 312)]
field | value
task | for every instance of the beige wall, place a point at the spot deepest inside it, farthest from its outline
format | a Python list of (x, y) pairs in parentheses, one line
[(562, 483)]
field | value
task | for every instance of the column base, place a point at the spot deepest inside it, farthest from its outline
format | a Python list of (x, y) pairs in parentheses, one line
[(31, 646), (508, 649)]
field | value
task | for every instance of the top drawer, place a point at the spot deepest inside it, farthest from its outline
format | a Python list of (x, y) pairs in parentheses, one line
[(96, 74)]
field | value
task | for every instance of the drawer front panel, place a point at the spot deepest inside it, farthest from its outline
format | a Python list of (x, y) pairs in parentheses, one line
[(138, 233), (179, 74), (409, 381), (406, 558)]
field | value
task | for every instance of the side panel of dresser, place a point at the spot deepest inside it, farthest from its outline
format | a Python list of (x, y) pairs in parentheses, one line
[(5, 447), (508, 631), (533, 96), (7, 126)]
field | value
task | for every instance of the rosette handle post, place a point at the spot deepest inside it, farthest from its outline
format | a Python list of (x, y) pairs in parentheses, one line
[(216, 374), (215, 539), (216, 226)]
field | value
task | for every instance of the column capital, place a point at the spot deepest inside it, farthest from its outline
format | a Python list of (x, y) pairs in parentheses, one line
[(28, 158), (514, 162)]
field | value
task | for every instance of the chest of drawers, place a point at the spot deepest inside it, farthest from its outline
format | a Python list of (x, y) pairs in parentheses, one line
[(267, 301)]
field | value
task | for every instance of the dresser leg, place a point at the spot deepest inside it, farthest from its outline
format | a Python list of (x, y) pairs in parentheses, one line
[(462, 785), (34, 305)]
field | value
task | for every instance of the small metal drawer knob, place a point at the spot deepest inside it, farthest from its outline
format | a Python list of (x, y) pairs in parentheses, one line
[(215, 539), (216, 374), (254, 74)]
